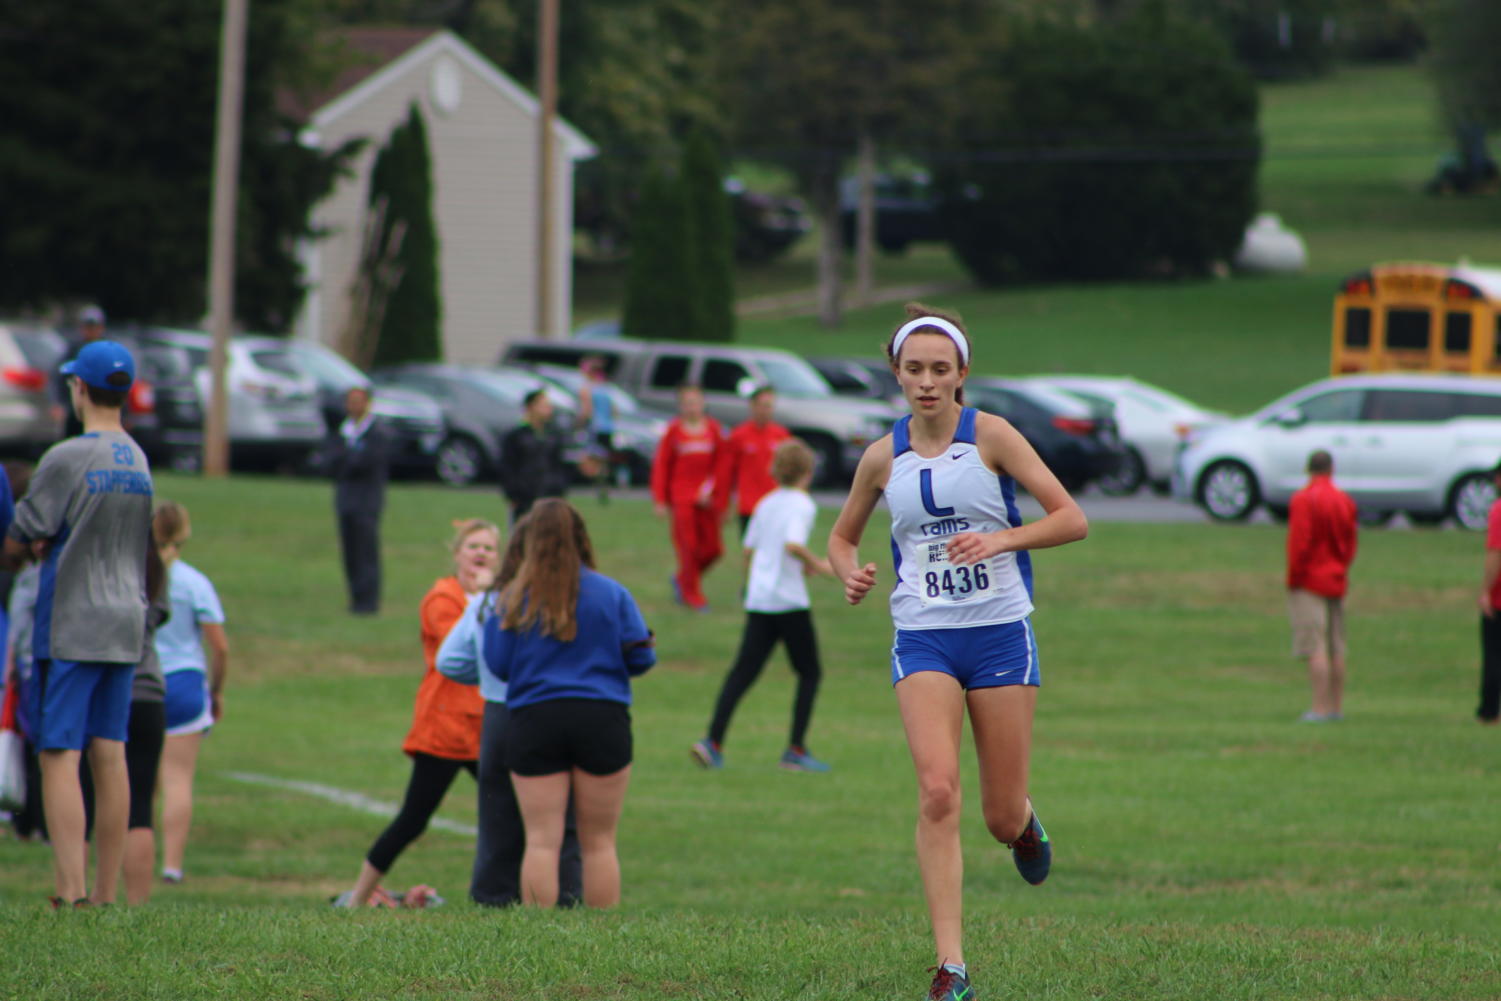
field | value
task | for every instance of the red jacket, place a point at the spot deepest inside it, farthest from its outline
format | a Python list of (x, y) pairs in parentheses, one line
[(1320, 538), (683, 471), (745, 464)]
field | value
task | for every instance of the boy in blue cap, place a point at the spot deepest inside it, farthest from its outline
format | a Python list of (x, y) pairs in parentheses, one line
[(86, 518)]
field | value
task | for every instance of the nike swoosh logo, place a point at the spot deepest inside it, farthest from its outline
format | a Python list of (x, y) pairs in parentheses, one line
[(962, 995), (959, 455)]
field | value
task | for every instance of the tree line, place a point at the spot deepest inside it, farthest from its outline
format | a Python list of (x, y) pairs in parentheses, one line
[(1066, 138)]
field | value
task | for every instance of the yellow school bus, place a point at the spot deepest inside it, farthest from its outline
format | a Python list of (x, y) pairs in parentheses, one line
[(1412, 316)]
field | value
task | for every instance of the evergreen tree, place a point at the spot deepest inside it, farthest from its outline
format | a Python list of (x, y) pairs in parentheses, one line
[(712, 242), (410, 328), (658, 299)]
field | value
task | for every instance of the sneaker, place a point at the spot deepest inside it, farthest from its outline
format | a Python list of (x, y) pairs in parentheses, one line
[(1312, 717), (677, 590), (345, 899), (1032, 852), (172, 876), (707, 753), (795, 760), (950, 985)]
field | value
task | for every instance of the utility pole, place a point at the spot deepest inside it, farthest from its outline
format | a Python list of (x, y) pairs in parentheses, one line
[(221, 284), (547, 93)]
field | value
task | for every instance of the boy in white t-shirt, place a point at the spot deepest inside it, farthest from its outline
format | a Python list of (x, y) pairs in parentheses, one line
[(776, 606)]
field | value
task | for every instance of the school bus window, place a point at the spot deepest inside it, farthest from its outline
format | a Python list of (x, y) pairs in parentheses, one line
[(1407, 329), (1496, 352), (1357, 327), (1457, 333)]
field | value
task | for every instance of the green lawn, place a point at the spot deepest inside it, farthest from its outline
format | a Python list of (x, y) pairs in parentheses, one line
[(1207, 844)]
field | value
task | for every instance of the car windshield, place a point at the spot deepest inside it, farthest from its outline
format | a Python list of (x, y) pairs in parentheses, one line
[(794, 377), (328, 368)]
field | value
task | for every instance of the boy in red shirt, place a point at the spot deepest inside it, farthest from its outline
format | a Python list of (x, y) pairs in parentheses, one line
[(745, 460), (682, 486), (1489, 711), (1320, 548)]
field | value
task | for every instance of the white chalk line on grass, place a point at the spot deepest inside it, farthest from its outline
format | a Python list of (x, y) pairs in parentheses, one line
[(346, 797)]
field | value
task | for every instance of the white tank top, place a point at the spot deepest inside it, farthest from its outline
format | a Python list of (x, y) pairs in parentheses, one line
[(932, 500)]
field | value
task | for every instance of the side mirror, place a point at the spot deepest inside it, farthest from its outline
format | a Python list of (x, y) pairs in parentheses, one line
[(1290, 418)]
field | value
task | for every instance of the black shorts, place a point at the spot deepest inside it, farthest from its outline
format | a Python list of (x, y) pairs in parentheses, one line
[(563, 734), (143, 755)]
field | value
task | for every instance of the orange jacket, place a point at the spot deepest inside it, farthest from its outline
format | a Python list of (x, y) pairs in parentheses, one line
[(447, 716), (1320, 538)]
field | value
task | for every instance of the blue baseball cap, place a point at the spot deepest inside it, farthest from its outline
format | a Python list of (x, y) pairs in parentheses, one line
[(99, 360)]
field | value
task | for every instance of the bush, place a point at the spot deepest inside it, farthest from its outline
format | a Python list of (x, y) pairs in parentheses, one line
[(1121, 151), (712, 240)]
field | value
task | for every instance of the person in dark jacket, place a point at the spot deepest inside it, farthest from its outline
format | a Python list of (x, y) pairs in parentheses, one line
[(357, 457), (531, 457)]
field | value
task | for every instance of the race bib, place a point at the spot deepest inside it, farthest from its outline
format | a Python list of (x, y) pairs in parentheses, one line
[(939, 582)]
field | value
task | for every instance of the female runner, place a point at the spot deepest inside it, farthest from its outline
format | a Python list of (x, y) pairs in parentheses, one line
[(961, 607)]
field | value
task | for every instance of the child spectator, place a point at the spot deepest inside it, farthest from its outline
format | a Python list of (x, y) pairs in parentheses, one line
[(682, 486), (776, 607), (195, 686)]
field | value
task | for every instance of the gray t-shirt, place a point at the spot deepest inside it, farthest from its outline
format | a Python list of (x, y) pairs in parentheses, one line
[(91, 497)]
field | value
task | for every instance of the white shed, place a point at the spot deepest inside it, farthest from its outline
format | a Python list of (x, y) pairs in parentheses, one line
[(482, 138)]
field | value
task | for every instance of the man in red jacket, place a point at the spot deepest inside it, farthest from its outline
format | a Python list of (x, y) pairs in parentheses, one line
[(745, 460), (682, 485), (1320, 548)]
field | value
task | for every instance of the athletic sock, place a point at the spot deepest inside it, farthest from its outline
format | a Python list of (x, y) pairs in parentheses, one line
[(956, 968)]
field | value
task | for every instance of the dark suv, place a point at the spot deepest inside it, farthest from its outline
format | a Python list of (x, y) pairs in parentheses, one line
[(1076, 441)]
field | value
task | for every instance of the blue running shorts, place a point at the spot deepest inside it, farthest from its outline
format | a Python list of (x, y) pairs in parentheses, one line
[(189, 709), (80, 700), (975, 656)]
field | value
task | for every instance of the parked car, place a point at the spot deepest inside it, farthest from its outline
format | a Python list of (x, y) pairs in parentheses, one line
[(415, 419), (766, 225), (638, 428), (863, 378), (836, 428), (479, 406), (1077, 441), (273, 416), (165, 416), (906, 210), (1152, 422), (30, 420), (1423, 444)]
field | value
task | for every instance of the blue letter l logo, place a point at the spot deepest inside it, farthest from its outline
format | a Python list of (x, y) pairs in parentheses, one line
[(925, 478)]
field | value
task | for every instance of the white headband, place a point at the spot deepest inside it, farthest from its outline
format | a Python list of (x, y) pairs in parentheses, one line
[(938, 322)]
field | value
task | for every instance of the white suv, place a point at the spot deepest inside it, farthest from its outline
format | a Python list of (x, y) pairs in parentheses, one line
[(1423, 444)]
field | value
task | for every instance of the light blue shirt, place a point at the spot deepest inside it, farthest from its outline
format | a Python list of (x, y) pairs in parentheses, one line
[(179, 643), (461, 654)]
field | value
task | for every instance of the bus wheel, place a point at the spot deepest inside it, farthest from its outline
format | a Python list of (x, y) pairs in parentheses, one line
[(1228, 491)]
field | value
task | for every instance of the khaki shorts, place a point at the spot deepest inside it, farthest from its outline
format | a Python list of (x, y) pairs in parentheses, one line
[(1318, 623)]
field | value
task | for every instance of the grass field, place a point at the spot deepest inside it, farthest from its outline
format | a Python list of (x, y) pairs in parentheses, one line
[(1207, 844)]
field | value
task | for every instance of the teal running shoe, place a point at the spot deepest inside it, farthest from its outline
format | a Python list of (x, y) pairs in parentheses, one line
[(796, 760), (1032, 852), (707, 754), (951, 985)]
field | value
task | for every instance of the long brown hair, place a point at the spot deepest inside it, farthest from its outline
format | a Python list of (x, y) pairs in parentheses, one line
[(544, 590)]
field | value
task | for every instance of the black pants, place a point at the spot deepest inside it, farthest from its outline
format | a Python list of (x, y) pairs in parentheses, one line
[(762, 631), (359, 538), (431, 777), (1490, 667), (496, 881), (143, 757)]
